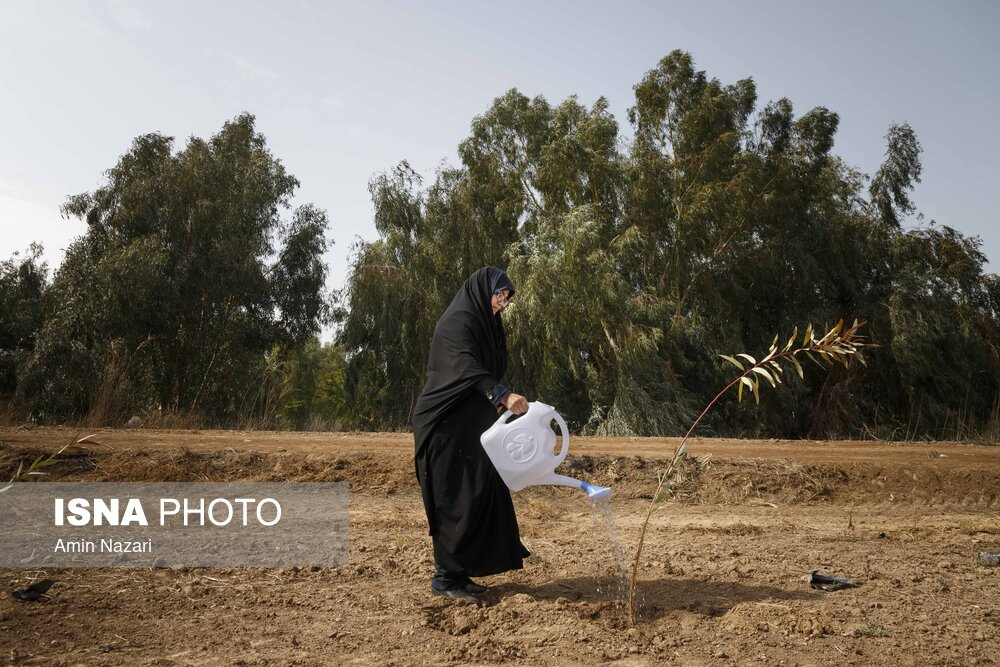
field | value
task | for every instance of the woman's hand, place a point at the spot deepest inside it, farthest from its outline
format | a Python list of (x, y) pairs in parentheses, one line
[(515, 403)]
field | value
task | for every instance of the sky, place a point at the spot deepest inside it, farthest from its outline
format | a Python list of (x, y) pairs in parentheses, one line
[(346, 90)]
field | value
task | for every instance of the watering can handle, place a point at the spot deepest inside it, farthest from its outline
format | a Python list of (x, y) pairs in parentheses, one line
[(565, 436), (564, 449)]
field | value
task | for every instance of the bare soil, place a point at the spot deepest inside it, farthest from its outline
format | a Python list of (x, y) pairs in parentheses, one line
[(722, 578)]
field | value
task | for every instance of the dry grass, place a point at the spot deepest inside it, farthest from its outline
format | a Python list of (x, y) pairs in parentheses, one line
[(972, 527), (739, 528), (991, 435), (783, 481), (872, 629), (9, 416)]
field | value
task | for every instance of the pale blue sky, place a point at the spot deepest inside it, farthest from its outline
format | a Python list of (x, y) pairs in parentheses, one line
[(346, 90)]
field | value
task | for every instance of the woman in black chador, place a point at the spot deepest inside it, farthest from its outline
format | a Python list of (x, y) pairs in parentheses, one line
[(468, 506)]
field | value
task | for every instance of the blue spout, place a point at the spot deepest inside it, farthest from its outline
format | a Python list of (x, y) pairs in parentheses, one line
[(595, 492)]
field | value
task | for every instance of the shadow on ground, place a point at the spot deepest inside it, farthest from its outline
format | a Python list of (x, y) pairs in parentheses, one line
[(657, 597)]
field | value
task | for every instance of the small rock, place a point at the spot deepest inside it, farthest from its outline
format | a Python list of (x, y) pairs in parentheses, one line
[(35, 591), (519, 599), (989, 558), (133, 422), (463, 624)]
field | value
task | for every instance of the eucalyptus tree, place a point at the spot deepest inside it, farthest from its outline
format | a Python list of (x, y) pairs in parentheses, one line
[(383, 300), (523, 164), (891, 186), (637, 262), (23, 281), (186, 277)]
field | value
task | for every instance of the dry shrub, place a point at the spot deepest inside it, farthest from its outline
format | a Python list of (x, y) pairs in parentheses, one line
[(779, 481), (170, 419)]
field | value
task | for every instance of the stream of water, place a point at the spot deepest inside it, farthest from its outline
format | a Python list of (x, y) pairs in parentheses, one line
[(613, 567)]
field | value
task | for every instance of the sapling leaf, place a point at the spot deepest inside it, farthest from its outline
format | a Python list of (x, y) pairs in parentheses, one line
[(733, 361), (798, 366), (753, 362), (791, 341), (765, 374)]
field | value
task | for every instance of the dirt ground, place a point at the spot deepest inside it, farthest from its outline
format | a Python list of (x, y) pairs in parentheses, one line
[(722, 578)]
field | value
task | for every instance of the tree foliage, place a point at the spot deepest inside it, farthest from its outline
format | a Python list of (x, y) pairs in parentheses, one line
[(637, 261), (195, 290), (23, 281), (186, 288)]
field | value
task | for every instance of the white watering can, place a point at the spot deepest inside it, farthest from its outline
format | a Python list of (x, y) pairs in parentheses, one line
[(523, 450)]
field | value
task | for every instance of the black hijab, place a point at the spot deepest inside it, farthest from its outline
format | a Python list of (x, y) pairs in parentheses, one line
[(468, 347)]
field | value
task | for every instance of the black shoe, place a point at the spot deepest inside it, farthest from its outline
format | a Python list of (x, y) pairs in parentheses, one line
[(458, 594), (474, 588)]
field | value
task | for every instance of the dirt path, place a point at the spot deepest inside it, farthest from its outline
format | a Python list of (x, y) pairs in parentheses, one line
[(722, 578)]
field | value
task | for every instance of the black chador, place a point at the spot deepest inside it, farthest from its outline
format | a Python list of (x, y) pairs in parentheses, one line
[(468, 506)]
